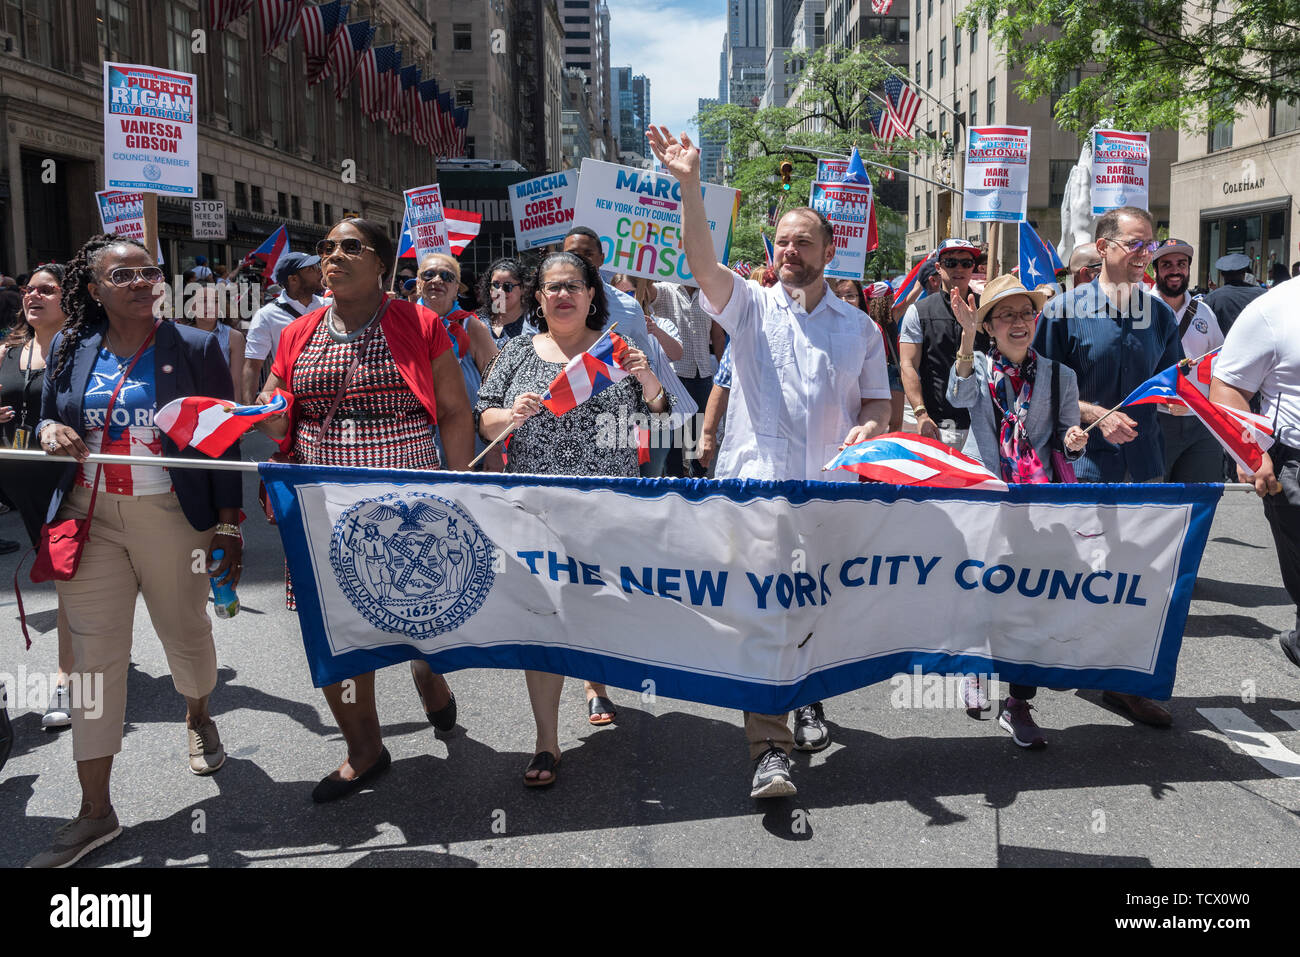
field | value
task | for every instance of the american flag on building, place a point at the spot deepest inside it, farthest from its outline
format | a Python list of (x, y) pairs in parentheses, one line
[(881, 7), (404, 119), (279, 21), (222, 13), (320, 24), (373, 71), (345, 53), (426, 128), (903, 105)]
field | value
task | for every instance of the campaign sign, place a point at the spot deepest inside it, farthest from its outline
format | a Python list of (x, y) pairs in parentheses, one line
[(123, 213), (832, 171), (1121, 169), (848, 207), (638, 215), (208, 219), (997, 174), (426, 221), (542, 208), (151, 133)]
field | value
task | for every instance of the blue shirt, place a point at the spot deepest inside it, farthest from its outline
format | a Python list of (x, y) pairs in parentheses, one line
[(722, 377), (1112, 353)]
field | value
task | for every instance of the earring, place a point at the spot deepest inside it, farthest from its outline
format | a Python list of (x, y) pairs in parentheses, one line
[(592, 310), (540, 312)]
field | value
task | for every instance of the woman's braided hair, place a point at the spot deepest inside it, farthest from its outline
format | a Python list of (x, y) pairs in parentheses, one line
[(85, 315)]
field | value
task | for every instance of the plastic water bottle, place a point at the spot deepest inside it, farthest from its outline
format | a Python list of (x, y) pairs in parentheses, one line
[(223, 594)]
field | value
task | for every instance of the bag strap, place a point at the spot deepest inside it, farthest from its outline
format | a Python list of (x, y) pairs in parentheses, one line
[(1054, 438), (352, 369), (1188, 316), (108, 414), (22, 612)]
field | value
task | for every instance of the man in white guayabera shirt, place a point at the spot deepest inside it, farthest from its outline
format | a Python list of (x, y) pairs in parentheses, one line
[(809, 378)]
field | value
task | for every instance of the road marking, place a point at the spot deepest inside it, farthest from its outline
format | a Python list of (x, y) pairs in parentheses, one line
[(1290, 717), (1254, 741)]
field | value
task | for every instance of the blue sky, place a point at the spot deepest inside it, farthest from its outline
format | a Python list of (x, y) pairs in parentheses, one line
[(676, 44)]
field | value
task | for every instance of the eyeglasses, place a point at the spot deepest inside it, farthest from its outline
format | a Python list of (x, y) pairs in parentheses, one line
[(1011, 318), (957, 263), (408, 285), (350, 247), (506, 287), (127, 275), (1138, 245), (446, 275), (44, 289), (1096, 265), (555, 288)]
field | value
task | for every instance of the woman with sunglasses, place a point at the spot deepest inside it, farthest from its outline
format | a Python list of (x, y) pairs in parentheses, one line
[(30, 487), (571, 311), (113, 365), (1016, 420), (371, 376), (503, 294)]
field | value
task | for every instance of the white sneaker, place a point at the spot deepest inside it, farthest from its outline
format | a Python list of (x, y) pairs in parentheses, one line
[(972, 696), (57, 715)]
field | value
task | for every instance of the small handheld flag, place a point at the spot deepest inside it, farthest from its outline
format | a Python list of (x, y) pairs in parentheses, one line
[(587, 374), (213, 425), (462, 227), (269, 253), (902, 458), (1038, 261)]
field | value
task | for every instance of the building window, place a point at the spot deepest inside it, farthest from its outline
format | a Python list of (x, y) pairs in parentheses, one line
[(316, 212), (329, 215), (282, 204), (275, 100), (991, 115), (257, 199), (296, 210), (1221, 137), (114, 28), (179, 55), (974, 35), (462, 36), (929, 202), (956, 46), (1057, 175), (916, 212), (943, 57), (918, 23), (1285, 117), (929, 69), (235, 82), (918, 71), (241, 195), (208, 186), (973, 119), (943, 124), (311, 123), (433, 35), (929, 8), (469, 147), (32, 22), (1063, 86), (465, 94)]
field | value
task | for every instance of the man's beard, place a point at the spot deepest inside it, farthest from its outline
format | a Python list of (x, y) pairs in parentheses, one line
[(1165, 290), (800, 274)]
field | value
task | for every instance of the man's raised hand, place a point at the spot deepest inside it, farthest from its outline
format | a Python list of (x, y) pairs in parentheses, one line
[(679, 158)]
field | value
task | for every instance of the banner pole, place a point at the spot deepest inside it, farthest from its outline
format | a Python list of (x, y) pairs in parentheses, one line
[(227, 465), (151, 223)]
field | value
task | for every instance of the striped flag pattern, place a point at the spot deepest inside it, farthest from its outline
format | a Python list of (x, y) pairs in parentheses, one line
[(587, 374), (373, 69), (902, 458), (275, 246), (320, 24), (222, 13), (213, 425), (462, 227), (280, 20), (910, 279), (903, 105), (881, 7), (345, 53)]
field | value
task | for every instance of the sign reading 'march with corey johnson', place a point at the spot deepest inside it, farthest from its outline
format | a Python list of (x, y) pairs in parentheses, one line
[(638, 215)]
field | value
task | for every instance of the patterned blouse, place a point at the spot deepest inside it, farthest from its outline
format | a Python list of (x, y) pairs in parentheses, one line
[(593, 439)]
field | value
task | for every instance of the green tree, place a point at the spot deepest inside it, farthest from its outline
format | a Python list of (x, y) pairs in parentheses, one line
[(1148, 63), (835, 87)]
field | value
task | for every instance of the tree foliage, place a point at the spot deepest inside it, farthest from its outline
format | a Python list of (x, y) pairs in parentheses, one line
[(1148, 63), (835, 96)]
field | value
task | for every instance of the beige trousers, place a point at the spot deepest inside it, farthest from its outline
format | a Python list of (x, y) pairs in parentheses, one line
[(762, 728)]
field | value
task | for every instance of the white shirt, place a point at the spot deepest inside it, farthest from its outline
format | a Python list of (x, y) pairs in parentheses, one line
[(1262, 354), (269, 321), (1203, 335), (798, 384)]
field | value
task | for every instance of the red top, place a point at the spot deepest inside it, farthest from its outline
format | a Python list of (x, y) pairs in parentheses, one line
[(415, 337)]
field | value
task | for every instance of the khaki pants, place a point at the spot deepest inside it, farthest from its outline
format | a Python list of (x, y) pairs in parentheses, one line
[(137, 545), (762, 728)]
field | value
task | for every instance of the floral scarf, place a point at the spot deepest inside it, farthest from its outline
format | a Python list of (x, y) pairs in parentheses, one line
[(1012, 389)]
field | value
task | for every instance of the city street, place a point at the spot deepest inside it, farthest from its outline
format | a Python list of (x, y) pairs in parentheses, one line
[(668, 784)]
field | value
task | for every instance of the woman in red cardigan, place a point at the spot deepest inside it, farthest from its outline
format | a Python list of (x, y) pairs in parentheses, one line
[(371, 376)]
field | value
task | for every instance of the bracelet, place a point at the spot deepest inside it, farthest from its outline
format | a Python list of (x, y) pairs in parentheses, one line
[(966, 357), (663, 391), (918, 410), (228, 530)]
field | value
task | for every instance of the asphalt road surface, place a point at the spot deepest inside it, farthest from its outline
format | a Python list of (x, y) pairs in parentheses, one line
[(669, 782)]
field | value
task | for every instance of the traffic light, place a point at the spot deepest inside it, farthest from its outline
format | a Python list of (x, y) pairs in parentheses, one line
[(787, 169)]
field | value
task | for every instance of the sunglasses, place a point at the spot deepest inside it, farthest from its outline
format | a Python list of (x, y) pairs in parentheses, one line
[(350, 247), (44, 289), (1138, 245), (957, 263), (555, 288), (124, 276), (506, 287), (446, 275), (408, 285)]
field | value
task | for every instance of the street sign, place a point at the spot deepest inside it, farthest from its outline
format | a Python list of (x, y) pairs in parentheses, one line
[(209, 219)]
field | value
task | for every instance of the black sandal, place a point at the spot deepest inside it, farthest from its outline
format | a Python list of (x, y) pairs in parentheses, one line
[(599, 705), (544, 763)]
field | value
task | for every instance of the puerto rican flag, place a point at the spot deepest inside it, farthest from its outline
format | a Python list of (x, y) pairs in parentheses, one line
[(910, 279), (903, 458), (213, 425), (276, 245), (222, 13), (1244, 435), (320, 24), (345, 53), (769, 252), (280, 20), (462, 227), (594, 371)]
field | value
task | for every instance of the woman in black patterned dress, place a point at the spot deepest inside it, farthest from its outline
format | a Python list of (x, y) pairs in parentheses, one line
[(570, 314), (406, 379)]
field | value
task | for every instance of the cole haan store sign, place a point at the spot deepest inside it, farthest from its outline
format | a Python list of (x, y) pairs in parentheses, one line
[(1242, 186)]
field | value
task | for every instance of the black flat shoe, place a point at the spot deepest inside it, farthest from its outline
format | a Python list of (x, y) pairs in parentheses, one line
[(597, 706), (332, 789), (444, 719)]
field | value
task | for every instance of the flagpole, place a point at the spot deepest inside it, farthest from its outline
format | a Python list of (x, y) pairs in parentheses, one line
[(1185, 363), (786, 147), (225, 465)]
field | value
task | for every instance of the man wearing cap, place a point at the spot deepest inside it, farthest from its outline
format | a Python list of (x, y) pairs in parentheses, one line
[(1234, 292), (1192, 454), (927, 347), (202, 272), (300, 276), (1085, 264)]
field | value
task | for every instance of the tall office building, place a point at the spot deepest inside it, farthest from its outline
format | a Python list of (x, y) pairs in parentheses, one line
[(641, 105), (710, 150), (586, 47)]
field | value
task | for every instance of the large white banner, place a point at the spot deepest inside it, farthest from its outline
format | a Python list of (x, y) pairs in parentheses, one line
[(151, 132), (542, 208), (748, 595), (637, 214), (996, 178), (848, 207), (123, 213), (1121, 169)]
